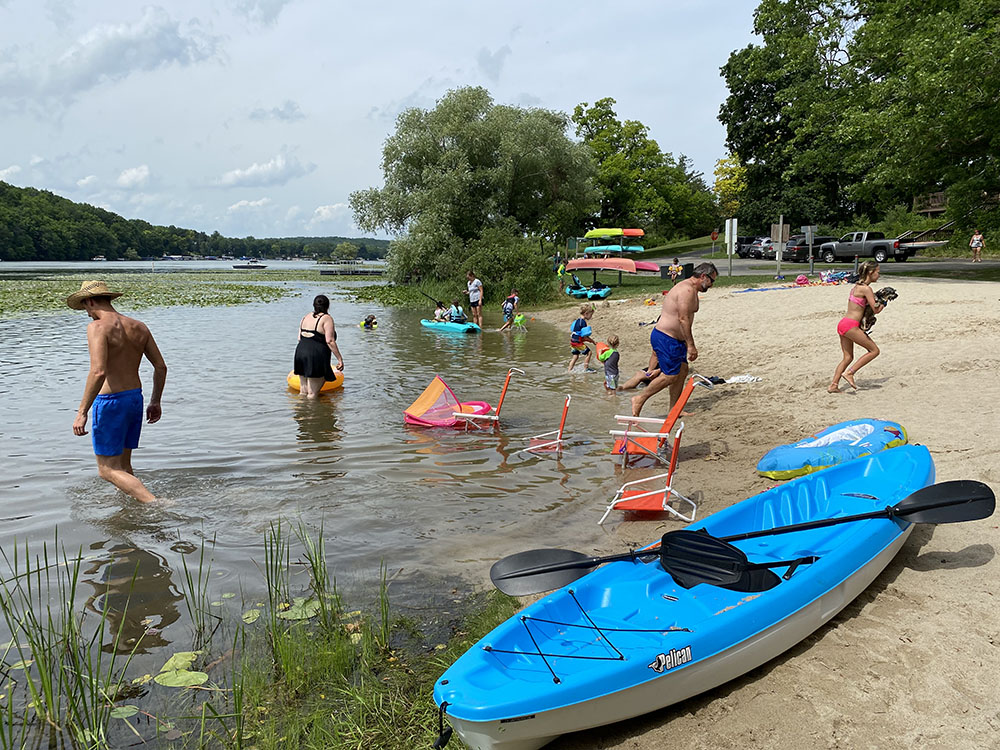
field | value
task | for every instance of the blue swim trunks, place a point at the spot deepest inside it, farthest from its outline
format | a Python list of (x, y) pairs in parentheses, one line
[(117, 422), (670, 353)]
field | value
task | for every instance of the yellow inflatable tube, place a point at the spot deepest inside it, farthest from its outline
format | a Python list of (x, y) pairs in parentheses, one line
[(329, 385)]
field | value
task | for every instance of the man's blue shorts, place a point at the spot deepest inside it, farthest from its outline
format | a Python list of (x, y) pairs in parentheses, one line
[(670, 353), (117, 422)]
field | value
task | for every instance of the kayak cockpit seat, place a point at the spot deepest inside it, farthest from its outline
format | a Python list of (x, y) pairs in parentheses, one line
[(693, 557)]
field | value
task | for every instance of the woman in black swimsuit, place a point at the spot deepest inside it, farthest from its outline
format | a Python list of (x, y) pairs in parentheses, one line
[(317, 339)]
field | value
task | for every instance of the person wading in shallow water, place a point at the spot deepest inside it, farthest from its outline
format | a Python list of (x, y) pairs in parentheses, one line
[(672, 338), (117, 345)]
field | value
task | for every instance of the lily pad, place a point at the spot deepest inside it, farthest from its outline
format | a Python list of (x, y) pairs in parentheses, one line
[(22, 664), (123, 712), (251, 615), (180, 678), (228, 595), (180, 660), (300, 609)]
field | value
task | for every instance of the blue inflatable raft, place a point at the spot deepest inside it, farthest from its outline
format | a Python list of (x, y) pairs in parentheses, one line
[(834, 445)]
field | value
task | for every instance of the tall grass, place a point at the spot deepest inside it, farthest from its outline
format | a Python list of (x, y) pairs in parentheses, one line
[(306, 674), (68, 685)]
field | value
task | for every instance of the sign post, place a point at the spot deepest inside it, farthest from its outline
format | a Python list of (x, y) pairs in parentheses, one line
[(779, 236), (810, 233), (731, 242)]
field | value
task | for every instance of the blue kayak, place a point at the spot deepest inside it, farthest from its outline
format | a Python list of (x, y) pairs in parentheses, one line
[(580, 292), (627, 639), (446, 326), (834, 445)]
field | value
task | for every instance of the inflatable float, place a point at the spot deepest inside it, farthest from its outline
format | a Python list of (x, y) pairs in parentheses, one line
[(834, 445), (330, 385), (436, 407), (446, 326)]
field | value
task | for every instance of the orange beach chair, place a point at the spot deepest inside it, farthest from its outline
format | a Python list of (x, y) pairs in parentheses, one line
[(634, 440), (631, 498)]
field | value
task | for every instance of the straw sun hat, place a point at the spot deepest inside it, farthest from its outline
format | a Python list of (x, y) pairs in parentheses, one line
[(90, 289)]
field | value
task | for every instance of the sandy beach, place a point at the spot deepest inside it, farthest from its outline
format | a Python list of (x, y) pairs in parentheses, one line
[(915, 660)]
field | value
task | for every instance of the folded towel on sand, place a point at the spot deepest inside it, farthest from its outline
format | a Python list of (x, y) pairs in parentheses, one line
[(744, 379)]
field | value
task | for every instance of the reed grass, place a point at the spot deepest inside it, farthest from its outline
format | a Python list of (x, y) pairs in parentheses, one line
[(306, 674), (68, 684)]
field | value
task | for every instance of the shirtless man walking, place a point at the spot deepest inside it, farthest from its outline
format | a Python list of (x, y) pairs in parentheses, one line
[(117, 345), (672, 339)]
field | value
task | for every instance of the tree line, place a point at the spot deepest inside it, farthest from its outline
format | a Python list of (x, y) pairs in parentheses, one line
[(39, 225), (850, 109)]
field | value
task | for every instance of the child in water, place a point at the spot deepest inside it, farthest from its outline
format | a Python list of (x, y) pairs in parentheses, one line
[(370, 322), (509, 309), (579, 336), (610, 359)]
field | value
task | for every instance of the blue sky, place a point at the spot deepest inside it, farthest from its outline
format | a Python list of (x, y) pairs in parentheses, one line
[(260, 117)]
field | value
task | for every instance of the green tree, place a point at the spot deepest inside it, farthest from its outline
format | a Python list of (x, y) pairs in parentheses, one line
[(468, 166), (345, 251), (730, 184), (849, 108), (640, 185)]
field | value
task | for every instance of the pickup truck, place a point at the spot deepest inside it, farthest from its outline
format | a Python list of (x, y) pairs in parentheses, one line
[(866, 245)]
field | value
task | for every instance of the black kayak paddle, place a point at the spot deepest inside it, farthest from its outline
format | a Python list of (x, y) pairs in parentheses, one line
[(539, 570)]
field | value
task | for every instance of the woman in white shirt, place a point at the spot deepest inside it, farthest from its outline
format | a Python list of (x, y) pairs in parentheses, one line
[(475, 292)]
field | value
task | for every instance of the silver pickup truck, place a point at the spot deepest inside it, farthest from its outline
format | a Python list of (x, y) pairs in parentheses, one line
[(865, 245)]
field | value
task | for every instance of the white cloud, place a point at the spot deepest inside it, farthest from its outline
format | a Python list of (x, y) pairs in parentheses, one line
[(264, 12), (491, 63), (6, 174), (249, 205), (36, 160), (134, 177), (289, 111), (90, 179), (292, 213), (332, 212), (277, 171), (110, 53)]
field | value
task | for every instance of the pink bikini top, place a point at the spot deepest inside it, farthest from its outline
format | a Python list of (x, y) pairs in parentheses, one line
[(860, 301)]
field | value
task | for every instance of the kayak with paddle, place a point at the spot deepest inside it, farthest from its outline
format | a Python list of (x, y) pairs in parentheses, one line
[(653, 627)]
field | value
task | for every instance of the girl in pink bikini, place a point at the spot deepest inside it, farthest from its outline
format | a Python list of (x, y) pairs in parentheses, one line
[(849, 327)]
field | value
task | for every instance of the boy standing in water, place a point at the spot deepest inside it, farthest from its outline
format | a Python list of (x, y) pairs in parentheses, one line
[(579, 336), (509, 309), (117, 345)]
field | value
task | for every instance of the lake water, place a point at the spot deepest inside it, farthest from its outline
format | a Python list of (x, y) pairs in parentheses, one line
[(236, 450)]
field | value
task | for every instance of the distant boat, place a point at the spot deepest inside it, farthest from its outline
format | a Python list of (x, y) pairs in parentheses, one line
[(252, 263), (98, 257)]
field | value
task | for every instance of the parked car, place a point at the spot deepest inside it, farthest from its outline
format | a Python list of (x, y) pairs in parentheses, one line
[(797, 251), (743, 243), (759, 246), (864, 245)]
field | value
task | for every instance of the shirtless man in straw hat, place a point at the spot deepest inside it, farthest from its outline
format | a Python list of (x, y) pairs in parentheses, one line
[(117, 345)]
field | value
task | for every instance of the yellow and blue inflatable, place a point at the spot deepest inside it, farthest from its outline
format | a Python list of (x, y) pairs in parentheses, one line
[(834, 445)]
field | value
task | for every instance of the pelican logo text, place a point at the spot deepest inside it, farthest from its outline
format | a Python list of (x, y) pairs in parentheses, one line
[(673, 658)]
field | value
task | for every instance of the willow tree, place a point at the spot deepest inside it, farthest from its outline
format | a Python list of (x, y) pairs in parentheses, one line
[(471, 182)]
